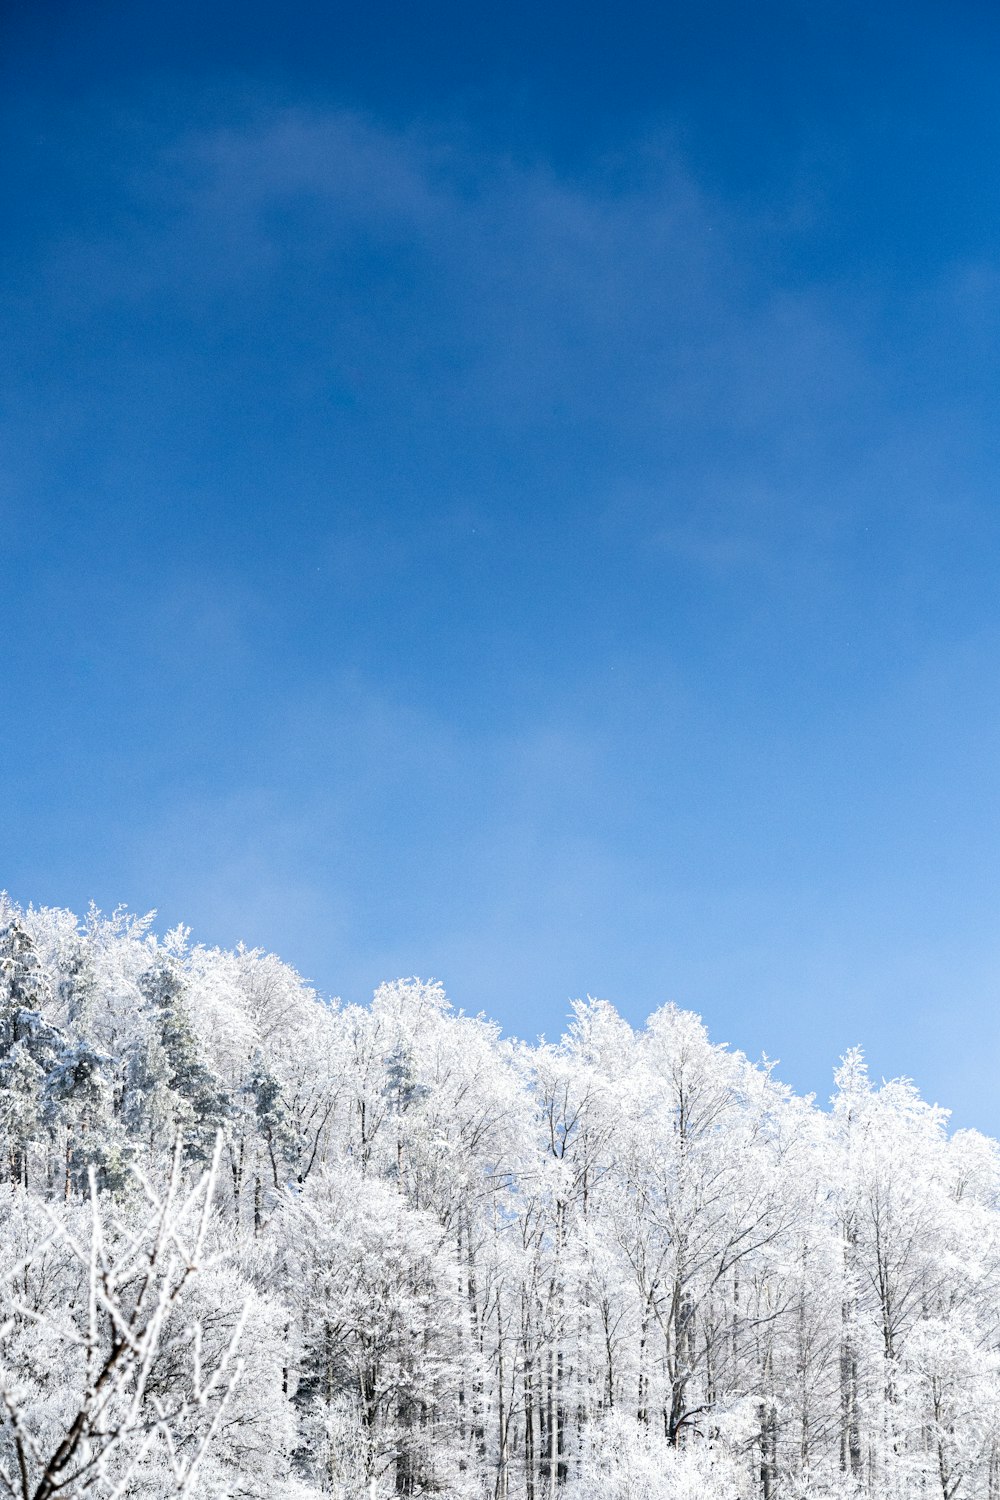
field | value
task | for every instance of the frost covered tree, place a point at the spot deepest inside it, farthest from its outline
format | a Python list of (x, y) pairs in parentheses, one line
[(626, 1263), (106, 1386)]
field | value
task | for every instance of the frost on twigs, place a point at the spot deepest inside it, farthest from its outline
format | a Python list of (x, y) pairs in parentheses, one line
[(626, 1265), (109, 1385)]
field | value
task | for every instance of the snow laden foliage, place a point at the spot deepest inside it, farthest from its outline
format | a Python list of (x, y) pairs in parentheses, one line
[(255, 1245)]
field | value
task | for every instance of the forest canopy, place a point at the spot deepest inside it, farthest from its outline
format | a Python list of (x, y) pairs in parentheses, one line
[(255, 1243)]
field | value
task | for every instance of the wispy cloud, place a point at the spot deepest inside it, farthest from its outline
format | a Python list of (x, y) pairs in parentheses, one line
[(624, 312)]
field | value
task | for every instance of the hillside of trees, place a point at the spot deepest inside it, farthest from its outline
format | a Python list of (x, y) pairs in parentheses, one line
[(257, 1244)]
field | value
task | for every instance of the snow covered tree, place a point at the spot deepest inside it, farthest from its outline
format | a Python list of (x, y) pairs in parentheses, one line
[(625, 1263)]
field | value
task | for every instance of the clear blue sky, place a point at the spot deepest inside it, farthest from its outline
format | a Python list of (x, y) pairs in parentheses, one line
[(510, 494)]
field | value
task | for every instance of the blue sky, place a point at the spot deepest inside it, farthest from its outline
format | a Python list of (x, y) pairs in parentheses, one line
[(509, 494)]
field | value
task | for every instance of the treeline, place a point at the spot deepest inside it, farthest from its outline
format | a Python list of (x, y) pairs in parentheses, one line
[(630, 1263)]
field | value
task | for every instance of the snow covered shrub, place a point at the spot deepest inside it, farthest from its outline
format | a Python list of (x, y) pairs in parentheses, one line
[(623, 1460)]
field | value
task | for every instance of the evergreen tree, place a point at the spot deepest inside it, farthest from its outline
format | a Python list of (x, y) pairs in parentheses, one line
[(197, 1105)]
